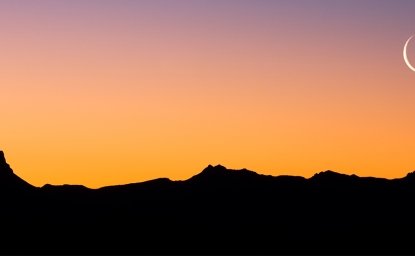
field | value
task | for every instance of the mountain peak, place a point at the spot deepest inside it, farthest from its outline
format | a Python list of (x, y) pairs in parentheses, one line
[(213, 171), (2, 158), (219, 174), (4, 166), (331, 177), (410, 176), (9, 180), (327, 173), (211, 168)]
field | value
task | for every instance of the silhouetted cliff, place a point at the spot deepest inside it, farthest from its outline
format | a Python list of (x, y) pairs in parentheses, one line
[(9, 182)]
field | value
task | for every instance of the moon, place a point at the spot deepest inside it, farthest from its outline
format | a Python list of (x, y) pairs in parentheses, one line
[(405, 54)]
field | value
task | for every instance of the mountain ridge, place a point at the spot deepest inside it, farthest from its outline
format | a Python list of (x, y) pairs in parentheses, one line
[(208, 174), (217, 211)]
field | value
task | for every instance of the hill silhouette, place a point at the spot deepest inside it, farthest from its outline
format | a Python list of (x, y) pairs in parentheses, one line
[(218, 211)]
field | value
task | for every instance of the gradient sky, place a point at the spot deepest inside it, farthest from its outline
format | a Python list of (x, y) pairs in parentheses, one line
[(102, 92)]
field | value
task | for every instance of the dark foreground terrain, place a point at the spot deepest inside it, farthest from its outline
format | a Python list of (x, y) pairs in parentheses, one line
[(218, 211)]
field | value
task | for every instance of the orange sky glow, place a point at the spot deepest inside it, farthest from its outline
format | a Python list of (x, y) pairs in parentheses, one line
[(115, 92)]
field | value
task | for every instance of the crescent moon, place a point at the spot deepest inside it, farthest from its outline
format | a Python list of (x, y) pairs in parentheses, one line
[(405, 55)]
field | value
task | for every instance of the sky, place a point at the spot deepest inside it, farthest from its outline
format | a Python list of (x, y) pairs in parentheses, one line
[(105, 92)]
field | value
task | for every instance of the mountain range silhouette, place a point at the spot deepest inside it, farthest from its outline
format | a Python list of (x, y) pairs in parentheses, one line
[(218, 211)]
